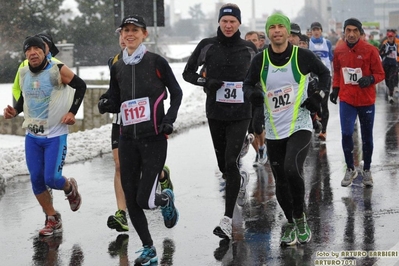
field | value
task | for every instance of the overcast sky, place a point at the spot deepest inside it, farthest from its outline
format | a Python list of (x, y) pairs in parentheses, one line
[(289, 7)]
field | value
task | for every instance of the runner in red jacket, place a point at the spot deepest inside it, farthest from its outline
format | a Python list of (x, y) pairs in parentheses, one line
[(357, 69)]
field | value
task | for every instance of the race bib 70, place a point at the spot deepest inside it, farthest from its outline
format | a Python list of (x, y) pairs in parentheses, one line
[(351, 75)]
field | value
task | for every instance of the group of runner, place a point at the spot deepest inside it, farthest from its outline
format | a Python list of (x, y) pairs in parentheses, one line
[(250, 90)]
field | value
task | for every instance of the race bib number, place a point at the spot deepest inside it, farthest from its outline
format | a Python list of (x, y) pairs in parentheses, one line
[(392, 54), (230, 92), (37, 126), (280, 99), (135, 111), (351, 75)]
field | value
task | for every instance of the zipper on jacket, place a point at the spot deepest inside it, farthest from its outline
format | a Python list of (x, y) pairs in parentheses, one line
[(134, 96)]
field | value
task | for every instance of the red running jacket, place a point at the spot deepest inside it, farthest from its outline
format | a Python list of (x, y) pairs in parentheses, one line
[(364, 56)]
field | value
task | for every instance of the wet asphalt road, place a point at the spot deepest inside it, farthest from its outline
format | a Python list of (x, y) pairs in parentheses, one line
[(342, 219)]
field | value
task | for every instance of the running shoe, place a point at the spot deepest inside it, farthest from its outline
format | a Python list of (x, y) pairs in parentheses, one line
[(56, 214), (118, 221), (169, 212), (224, 229), (74, 197), (367, 178), (349, 176), (148, 255), (241, 198), (166, 183), (303, 232), (247, 142), (53, 225), (288, 237), (262, 155)]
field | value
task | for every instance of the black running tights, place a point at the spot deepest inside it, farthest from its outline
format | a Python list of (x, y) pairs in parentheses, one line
[(287, 157), (227, 138)]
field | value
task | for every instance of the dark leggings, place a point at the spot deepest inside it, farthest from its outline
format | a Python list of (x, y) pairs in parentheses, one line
[(227, 138), (348, 114), (391, 77), (324, 112), (287, 157), (141, 161)]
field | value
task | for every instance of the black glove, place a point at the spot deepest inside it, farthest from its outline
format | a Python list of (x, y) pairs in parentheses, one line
[(334, 95), (257, 98), (258, 120), (312, 103), (313, 85), (365, 81), (166, 128), (104, 105), (213, 84)]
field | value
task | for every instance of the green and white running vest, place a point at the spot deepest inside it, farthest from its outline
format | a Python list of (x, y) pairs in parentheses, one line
[(285, 89)]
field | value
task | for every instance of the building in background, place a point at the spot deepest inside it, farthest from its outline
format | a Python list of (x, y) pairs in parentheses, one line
[(323, 15), (393, 19), (382, 12)]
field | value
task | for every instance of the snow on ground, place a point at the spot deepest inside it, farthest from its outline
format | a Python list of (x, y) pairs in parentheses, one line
[(85, 145)]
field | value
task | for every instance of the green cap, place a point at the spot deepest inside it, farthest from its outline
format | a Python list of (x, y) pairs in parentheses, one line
[(278, 18)]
